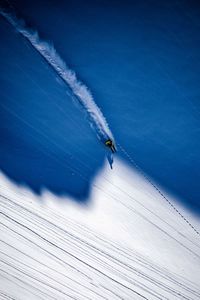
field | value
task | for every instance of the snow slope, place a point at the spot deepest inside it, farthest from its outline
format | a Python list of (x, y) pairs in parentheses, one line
[(79, 91), (127, 243), (70, 227)]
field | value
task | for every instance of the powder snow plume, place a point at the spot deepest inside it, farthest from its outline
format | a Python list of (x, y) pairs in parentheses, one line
[(79, 90)]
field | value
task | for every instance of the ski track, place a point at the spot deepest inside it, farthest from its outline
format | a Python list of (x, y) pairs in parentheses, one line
[(45, 254), (79, 91), (48, 256)]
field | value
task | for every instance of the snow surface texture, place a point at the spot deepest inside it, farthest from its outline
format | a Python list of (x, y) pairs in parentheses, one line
[(80, 91), (126, 244)]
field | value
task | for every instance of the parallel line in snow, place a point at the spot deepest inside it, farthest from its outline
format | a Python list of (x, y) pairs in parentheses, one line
[(74, 256), (111, 257)]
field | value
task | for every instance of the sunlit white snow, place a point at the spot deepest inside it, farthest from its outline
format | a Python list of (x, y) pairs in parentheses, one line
[(127, 243)]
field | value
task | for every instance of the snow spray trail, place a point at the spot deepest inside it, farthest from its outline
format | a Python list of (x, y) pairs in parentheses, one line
[(79, 90)]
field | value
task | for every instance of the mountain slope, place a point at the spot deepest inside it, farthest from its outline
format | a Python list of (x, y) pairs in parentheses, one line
[(126, 244)]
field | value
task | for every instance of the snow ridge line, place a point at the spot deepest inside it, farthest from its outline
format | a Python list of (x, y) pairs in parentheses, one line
[(157, 189), (79, 90)]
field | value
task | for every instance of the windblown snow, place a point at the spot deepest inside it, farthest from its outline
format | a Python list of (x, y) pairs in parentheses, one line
[(126, 244), (79, 90)]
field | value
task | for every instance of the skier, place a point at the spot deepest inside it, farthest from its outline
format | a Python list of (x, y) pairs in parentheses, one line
[(109, 143)]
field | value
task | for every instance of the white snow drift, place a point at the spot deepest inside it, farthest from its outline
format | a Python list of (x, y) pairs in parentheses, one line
[(127, 243)]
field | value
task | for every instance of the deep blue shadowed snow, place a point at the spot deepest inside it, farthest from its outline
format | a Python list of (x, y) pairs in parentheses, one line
[(141, 61)]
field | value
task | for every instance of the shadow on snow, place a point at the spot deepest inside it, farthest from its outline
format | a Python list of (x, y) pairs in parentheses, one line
[(143, 68)]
